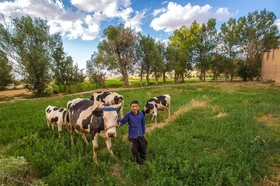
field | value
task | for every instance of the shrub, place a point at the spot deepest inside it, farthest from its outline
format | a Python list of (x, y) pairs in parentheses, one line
[(12, 169)]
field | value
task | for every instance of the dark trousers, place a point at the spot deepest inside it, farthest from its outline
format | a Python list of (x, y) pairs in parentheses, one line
[(138, 148)]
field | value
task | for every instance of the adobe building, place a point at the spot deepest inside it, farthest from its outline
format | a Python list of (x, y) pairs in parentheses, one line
[(271, 65)]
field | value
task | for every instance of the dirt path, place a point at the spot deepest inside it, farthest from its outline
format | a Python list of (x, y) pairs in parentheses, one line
[(12, 93), (180, 111)]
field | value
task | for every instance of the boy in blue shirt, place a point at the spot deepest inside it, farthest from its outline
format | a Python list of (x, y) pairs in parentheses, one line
[(136, 131)]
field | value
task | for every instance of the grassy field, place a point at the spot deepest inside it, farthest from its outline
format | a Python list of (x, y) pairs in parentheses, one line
[(218, 134)]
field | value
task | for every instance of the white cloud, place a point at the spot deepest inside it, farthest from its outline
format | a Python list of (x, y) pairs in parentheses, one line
[(135, 22), (177, 15), (277, 23), (83, 22), (110, 8), (158, 11)]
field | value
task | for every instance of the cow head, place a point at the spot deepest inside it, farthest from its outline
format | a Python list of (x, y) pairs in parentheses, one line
[(149, 108), (117, 99), (110, 116)]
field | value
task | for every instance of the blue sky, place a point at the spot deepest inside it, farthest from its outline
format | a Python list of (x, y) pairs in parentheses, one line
[(81, 22)]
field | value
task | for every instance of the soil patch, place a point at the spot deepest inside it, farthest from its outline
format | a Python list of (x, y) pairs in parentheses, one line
[(13, 93)]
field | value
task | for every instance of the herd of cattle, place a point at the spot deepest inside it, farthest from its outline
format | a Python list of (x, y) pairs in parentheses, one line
[(98, 116)]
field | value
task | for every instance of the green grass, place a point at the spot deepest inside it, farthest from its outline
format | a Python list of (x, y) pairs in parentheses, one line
[(212, 144)]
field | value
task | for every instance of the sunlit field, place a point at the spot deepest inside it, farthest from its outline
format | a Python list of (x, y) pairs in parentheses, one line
[(218, 134)]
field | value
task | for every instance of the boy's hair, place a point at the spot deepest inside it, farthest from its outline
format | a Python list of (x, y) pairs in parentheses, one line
[(134, 102)]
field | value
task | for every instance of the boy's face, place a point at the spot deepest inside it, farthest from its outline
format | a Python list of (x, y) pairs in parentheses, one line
[(134, 108)]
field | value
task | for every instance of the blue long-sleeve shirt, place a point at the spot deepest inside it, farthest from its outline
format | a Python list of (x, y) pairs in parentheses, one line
[(136, 124)]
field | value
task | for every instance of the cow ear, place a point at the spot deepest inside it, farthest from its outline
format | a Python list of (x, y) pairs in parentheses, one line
[(97, 112)]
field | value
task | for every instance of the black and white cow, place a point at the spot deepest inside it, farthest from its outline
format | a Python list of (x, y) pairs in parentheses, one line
[(89, 117), (157, 103), (56, 116), (110, 98), (71, 103)]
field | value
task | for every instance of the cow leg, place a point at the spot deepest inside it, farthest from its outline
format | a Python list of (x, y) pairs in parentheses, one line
[(152, 118), (84, 138), (109, 147), (49, 125), (155, 115), (59, 129), (95, 147), (67, 127), (168, 109), (72, 136)]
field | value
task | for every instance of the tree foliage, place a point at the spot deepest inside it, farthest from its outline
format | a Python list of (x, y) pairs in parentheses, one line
[(184, 40), (5, 71), (96, 69), (30, 44), (205, 47), (146, 56), (258, 33), (229, 40), (62, 64), (119, 43)]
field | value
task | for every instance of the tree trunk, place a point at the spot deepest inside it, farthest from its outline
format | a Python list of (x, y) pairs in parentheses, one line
[(182, 79), (176, 77), (141, 78), (231, 77), (156, 78), (147, 78), (163, 77), (125, 76)]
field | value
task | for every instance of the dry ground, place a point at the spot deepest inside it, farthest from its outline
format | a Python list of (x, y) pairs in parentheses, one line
[(14, 93)]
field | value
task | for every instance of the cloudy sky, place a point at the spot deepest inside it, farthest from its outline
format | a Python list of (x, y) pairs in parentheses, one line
[(81, 22)]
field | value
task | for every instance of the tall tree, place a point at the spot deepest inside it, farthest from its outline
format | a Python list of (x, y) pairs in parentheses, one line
[(229, 39), (184, 40), (97, 69), (62, 65), (147, 56), (258, 33), (77, 75), (139, 67), (30, 44), (119, 43), (172, 57), (158, 65), (5, 71), (205, 47)]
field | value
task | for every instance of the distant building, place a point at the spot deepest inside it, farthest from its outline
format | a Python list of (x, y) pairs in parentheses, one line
[(271, 65)]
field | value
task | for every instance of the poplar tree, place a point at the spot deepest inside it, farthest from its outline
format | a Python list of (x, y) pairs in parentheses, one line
[(29, 43), (257, 34), (184, 40), (119, 44)]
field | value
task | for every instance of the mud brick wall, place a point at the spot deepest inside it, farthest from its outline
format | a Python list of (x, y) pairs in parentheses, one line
[(271, 65)]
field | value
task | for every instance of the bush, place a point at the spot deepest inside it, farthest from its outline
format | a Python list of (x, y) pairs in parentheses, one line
[(12, 169), (80, 87)]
